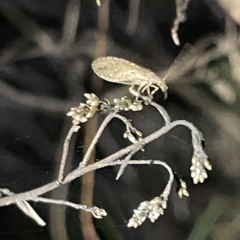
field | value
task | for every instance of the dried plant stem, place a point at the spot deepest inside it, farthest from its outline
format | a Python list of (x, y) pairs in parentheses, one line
[(29, 195), (80, 171), (105, 122), (125, 162), (35, 198), (61, 202), (162, 111), (25, 207), (88, 179)]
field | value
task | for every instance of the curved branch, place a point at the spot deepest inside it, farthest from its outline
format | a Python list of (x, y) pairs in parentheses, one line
[(162, 111), (72, 130), (97, 165), (105, 122)]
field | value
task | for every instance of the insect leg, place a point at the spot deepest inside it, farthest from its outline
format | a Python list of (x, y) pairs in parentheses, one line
[(155, 89), (133, 91), (145, 87)]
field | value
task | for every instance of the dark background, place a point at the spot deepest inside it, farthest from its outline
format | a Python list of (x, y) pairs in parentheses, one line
[(43, 74)]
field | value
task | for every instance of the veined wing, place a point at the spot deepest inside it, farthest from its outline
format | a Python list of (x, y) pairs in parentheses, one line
[(119, 70)]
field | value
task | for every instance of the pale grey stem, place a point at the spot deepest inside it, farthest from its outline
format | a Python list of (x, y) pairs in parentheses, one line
[(125, 162), (70, 25), (196, 138), (138, 145), (97, 212), (97, 165), (162, 111), (25, 207), (196, 141), (168, 187), (127, 122), (105, 122), (72, 130), (29, 195)]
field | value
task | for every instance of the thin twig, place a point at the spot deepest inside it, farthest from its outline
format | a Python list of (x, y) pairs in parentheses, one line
[(74, 174), (162, 111), (97, 212), (25, 207), (72, 130), (125, 162), (97, 165), (105, 122)]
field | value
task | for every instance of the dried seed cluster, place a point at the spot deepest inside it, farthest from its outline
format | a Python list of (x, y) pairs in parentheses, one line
[(86, 110), (127, 104), (198, 169), (132, 134), (148, 209), (183, 189), (98, 212)]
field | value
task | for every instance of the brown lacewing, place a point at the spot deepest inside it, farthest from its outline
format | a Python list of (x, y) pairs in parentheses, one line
[(119, 70)]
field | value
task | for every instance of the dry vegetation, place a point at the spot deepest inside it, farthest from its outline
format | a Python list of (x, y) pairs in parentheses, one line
[(47, 48)]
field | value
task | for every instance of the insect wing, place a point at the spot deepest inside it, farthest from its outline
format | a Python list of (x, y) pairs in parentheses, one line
[(119, 70)]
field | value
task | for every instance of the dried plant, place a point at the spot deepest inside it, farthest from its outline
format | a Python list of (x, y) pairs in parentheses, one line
[(151, 209)]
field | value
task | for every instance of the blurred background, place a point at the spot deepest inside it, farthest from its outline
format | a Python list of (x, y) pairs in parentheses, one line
[(46, 50)]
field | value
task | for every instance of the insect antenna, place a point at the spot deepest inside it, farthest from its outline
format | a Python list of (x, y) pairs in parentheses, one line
[(182, 64)]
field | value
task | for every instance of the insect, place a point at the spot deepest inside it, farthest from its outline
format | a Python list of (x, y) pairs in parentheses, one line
[(119, 70)]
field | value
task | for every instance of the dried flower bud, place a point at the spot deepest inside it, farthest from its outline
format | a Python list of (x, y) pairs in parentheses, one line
[(183, 189), (136, 106), (129, 136), (121, 103), (93, 100), (98, 212), (148, 209), (86, 110), (198, 169), (127, 104)]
